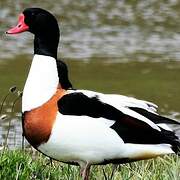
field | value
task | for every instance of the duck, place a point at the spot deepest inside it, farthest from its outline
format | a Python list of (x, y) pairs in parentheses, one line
[(84, 127)]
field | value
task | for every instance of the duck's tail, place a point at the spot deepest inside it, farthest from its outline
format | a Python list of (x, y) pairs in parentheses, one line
[(170, 128), (176, 143)]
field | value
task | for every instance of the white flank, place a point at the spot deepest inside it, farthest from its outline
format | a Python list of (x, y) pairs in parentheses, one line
[(41, 83), (85, 139)]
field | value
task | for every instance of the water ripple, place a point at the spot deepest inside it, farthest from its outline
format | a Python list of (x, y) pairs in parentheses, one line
[(140, 30)]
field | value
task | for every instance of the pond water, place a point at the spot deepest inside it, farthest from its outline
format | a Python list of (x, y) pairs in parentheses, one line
[(124, 47)]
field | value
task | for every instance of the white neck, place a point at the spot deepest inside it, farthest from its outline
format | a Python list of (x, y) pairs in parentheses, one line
[(42, 82)]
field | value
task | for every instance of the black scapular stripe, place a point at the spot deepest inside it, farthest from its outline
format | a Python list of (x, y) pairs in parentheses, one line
[(79, 104), (128, 128)]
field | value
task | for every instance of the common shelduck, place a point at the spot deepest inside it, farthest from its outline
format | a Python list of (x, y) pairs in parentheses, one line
[(79, 126)]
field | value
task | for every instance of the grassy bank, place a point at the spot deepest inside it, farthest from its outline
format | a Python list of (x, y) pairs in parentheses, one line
[(20, 165)]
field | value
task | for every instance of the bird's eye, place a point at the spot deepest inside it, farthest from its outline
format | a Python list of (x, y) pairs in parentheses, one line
[(32, 14)]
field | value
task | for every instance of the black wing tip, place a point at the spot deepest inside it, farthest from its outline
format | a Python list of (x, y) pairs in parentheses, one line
[(176, 147), (156, 118)]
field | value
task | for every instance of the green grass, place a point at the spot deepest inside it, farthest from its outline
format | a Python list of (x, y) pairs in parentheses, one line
[(23, 165)]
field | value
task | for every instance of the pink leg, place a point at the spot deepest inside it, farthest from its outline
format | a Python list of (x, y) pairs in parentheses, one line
[(85, 170)]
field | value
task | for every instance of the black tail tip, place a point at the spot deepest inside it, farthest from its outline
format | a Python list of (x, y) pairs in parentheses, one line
[(176, 147)]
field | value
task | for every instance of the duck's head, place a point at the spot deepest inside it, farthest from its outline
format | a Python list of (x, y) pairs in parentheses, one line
[(45, 28)]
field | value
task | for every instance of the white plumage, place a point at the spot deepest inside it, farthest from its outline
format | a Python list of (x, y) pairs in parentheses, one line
[(41, 83)]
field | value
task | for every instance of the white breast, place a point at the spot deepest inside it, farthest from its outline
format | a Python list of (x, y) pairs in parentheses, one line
[(41, 83)]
